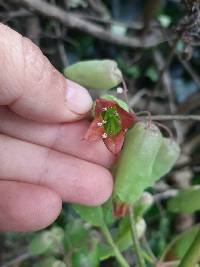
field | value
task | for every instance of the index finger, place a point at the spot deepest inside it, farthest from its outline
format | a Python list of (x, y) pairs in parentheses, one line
[(32, 87)]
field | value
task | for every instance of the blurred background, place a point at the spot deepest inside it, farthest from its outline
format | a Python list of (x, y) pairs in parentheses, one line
[(156, 45)]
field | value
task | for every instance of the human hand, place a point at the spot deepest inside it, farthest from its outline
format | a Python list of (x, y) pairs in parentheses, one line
[(43, 157)]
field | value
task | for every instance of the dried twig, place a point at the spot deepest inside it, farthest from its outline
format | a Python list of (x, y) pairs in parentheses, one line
[(190, 70), (72, 21), (185, 64), (177, 117), (165, 195), (17, 260), (166, 81), (60, 44), (99, 7), (167, 64)]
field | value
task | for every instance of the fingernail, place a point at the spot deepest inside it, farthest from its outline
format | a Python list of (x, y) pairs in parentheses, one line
[(77, 97)]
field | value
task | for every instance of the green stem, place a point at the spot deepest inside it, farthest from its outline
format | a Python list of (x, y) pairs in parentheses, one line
[(148, 249), (192, 256), (119, 257), (147, 257), (136, 244)]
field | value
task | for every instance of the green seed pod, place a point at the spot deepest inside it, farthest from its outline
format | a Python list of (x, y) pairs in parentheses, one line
[(95, 74), (140, 227), (134, 167), (167, 156)]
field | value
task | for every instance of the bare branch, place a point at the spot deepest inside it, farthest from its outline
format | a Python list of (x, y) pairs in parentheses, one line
[(72, 21), (176, 117), (17, 260), (167, 85)]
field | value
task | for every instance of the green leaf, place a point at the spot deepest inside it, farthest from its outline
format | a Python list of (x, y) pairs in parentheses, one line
[(41, 243), (75, 234), (164, 20), (92, 215), (95, 74), (180, 244), (187, 200), (105, 251), (134, 72), (107, 212), (152, 74), (124, 238)]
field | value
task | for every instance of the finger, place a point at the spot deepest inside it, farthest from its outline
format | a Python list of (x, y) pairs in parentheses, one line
[(75, 180), (32, 87), (27, 207), (66, 138)]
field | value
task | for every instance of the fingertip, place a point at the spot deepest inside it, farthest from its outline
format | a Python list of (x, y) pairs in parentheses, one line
[(95, 191), (102, 189), (78, 99), (49, 210), (27, 207), (32, 87)]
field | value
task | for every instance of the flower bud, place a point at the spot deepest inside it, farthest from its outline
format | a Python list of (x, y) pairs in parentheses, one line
[(140, 227), (143, 204), (166, 158), (95, 74)]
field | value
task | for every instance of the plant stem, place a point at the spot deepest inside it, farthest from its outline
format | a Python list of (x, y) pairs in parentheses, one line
[(192, 256), (136, 244), (119, 257), (148, 249), (147, 257)]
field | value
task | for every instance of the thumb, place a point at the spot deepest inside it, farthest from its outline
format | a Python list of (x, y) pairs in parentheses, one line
[(32, 87)]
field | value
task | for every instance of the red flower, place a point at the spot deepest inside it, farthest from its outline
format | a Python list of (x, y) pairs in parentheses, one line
[(110, 123)]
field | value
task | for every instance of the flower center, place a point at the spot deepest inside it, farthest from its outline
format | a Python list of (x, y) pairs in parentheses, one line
[(111, 121)]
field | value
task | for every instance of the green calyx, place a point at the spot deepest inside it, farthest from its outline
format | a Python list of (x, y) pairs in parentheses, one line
[(168, 154)]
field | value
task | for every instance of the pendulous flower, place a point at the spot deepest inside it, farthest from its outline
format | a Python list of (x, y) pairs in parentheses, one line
[(110, 124)]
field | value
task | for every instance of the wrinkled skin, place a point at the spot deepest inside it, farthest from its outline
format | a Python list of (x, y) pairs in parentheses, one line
[(43, 157)]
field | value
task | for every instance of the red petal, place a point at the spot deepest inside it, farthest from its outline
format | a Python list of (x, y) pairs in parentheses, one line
[(126, 118), (102, 103), (94, 132), (114, 144)]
